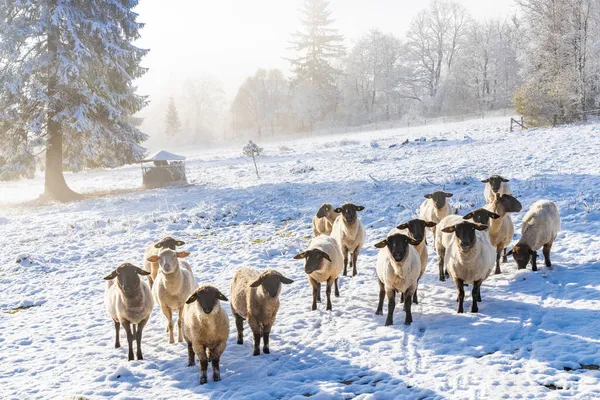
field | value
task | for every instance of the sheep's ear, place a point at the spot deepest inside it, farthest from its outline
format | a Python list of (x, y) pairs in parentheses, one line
[(448, 194), (112, 275), (481, 227), (300, 256), (428, 196), (141, 271), (449, 229), (256, 283), (285, 280), (153, 258), (414, 242), (158, 245), (359, 208), (326, 256), (191, 299), (430, 224), (222, 297), (338, 210), (468, 216), (505, 180), (183, 254), (494, 215), (381, 244), (179, 243), (402, 226), (486, 180)]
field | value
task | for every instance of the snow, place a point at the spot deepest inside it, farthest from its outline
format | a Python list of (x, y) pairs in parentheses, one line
[(535, 330), (164, 156)]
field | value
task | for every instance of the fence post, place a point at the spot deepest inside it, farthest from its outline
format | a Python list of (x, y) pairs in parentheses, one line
[(554, 120), (511, 125), (522, 123)]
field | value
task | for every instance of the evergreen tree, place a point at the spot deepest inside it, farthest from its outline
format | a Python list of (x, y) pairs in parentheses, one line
[(66, 70), (172, 120), (317, 45)]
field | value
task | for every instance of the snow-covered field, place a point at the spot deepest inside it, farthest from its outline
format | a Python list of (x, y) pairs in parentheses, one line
[(537, 334)]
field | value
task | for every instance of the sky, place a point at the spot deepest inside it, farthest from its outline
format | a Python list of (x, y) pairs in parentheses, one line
[(230, 39)]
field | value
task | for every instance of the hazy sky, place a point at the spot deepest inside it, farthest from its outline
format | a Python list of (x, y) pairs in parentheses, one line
[(232, 38)]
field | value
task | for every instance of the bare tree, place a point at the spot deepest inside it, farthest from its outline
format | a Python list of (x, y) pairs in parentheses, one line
[(205, 101)]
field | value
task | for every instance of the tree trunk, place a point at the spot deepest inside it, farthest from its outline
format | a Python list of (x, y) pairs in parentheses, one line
[(55, 187)]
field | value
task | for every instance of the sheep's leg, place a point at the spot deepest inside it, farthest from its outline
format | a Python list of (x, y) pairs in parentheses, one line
[(391, 294), (345, 254), (315, 286), (407, 308), (138, 337), (203, 364), (117, 338), (127, 326), (402, 297), (460, 285), (337, 291), (266, 333), (475, 293), (433, 231), (355, 254), (191, 355), (328, 293), (546, 251), (216, 358), (478, 292), (498, 253), (318, 292), (415, 298), (534, 261), (381, 297), (239, 324), (150, 281), (441, 253), (504, 257), (180, 325), (169, 315), (256, 330)]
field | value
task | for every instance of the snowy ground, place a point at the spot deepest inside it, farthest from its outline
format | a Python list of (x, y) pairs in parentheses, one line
[(537, 335)]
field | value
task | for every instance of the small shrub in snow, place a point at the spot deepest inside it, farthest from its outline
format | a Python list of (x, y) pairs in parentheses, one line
[(374, 144), (253, 150), (301, 169)]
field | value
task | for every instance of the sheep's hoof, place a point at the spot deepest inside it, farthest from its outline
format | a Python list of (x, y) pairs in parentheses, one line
[(117, 345), (389, 322), (534, 269), (256, 352), (240, 341), (266, 350), (504, 259), (474, 310), (203, 380), (442, 279), (497, 272), (140, 357), (407, 322), (378, 312), (460, 311), (216, 377), (191, 364), (130, 357)]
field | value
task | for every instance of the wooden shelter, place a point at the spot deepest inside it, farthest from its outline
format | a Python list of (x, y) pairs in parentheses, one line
[(163, 169)]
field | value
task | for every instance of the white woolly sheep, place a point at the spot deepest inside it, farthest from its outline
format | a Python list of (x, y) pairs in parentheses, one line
[(435, 208), (398, 270), (415, 229), (206, 329), (349, 233), (323, 263), (173, 285), (493, 185), (539, 229), (153, 249), (255, 297), (129, 303), (442, 241), (322, 222), (469, 259)]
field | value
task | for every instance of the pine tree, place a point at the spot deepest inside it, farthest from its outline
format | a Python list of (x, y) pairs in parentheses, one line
[(66, 69), (172, 120), (317, 45)]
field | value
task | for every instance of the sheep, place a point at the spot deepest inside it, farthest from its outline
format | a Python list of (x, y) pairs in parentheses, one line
[(415, 229), (539, 229), (349, 233), (501, 229), (173, 286), (398, 270), (322, 222), (493, 185), (442, 241), (153, 249), (129, 303), (323, 263), (205, 329), (469, 259), (435, 208), (255, 297)]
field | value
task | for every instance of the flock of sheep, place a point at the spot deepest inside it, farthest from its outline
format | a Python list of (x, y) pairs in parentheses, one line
[(468, 249)]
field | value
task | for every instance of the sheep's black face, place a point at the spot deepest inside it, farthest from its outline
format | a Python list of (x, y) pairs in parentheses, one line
[(348, 212), (495, 182), (465, 233), (314, 260), (324, 210), (169, 243), (522, 255), (509, 203), (416, 227), (207, 297), (481, 216), (398, 246), (128, 277), (439, 198), (271, 281)]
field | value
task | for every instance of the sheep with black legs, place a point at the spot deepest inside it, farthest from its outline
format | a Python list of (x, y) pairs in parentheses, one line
[(129, 303), (435, 208), (469, 259), (322, 222), (495, 184), (442, 241), (255, 297), (206, 329), (323, 263), (349, 233), (398, 269), (152, 250), (539, 229)]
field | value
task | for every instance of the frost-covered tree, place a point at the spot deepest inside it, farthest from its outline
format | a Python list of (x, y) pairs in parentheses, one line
[(172, 122), (205, 99), (251, 149), (66, 73)]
